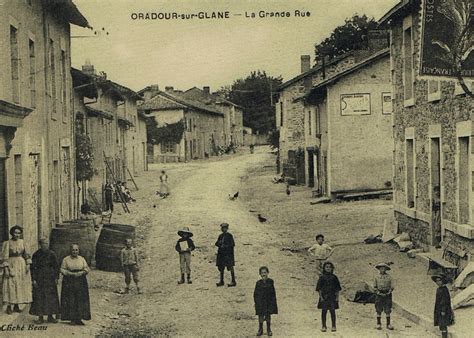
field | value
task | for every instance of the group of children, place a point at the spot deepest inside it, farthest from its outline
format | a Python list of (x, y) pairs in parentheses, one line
[(328, 285)]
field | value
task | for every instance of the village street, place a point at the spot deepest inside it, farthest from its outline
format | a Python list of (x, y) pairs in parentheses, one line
[(199, 200)]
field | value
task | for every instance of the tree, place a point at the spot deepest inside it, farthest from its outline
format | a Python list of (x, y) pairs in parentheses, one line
[(352, 35), (256, 94), (171, 132)]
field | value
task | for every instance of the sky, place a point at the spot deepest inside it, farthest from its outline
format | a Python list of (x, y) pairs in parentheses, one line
[(207, 52)]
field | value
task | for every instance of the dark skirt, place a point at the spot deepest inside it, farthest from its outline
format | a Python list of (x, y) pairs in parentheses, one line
[(329, 303), (45, 300), (75, 304)]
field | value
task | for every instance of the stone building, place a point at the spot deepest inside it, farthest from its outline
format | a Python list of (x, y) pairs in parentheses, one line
[(433, 133), (37, 184), (348, 129), (290, 113), (233, 113), (203, 124), (107, 113)]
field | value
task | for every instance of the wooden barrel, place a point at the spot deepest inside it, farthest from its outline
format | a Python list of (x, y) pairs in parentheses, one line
[(111, 241), (64, 235)]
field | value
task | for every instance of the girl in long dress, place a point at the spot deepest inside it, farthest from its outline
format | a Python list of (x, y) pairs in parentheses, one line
[(15, 262), (164, 187), (75, 303)]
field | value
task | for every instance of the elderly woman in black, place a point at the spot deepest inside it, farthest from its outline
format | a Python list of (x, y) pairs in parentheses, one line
[(15, 262), (75, 303), (45, 274)]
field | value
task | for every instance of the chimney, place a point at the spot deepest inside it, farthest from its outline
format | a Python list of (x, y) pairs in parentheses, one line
[(305, 63), (88, 68), (206, 90), (377, 40), (151, 91), (169, 89)]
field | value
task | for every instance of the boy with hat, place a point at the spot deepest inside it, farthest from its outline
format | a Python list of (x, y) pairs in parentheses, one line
[(184, 246), (383, 286), (225, 255), (443, 312), (129, 260)]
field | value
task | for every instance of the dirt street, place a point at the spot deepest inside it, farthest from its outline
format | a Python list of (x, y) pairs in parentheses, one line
[(199, 199)]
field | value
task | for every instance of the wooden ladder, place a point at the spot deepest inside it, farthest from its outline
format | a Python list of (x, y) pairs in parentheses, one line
[(122, 199)]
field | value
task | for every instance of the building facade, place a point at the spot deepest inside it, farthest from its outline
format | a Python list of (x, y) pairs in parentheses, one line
[(37, 184), (433, 134), (348, 129), (203, 125), (107, 113)]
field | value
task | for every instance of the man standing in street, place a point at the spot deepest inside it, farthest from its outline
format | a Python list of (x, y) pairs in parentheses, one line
[(225, 255)]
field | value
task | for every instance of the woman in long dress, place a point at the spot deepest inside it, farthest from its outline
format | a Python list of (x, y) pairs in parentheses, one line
[(15, 262), (75, 303), (164, 187)]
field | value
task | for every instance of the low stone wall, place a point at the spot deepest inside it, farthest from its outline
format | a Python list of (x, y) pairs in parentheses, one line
[(418, 230)]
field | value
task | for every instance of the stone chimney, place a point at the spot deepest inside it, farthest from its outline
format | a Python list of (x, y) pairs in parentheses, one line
[(88, 68), (169, 89), (206, 90), (305, 63), (151, 91), (377, 40)]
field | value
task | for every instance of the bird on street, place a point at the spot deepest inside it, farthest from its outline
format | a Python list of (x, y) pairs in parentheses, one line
[(261, 218), (234, 196)]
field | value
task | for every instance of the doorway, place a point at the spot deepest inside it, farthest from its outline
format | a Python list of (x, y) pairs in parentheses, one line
[(311, 172), (3, 202), (435, 174)]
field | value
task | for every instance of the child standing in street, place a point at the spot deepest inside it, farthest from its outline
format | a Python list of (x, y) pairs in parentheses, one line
[(225, 255), (321, 251), (129, 258), (443, 312), (265, 301), (184, 246), (383, 286), (328, 287)]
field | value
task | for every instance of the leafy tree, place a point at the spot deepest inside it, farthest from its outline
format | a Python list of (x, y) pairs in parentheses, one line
[(171, 132), (255, 94), (84, 157), (352, 35)]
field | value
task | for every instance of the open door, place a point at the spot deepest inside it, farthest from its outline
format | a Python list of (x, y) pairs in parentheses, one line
[(311, 172)]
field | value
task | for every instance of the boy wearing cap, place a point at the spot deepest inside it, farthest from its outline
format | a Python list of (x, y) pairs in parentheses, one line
[(225, 255), (383, 286), (321, 251), (129, 260), (184, 246), (443, 312)]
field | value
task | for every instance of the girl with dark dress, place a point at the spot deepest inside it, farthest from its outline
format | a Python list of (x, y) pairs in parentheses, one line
[(75, 304), (45, 275), (443, 313), (328, 287), (265, 301)]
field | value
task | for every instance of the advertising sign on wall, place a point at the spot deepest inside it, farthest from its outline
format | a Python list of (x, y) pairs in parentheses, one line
[(355, 104), (386, 103)]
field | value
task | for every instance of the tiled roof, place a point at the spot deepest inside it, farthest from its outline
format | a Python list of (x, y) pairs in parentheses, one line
[(67, 10), (96, 112), (396, 10), (357, 66), (176, 100)]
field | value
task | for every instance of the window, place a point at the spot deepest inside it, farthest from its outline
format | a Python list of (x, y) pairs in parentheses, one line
[(317, 121), (63, 85), (408, 63), (15, 64), (463, 179), (410, 173), (168, 147), (32, 74), (52, 67), (434, 90), (281, 114)]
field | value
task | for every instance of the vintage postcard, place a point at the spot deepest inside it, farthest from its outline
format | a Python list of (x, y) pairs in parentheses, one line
[(236, 168)]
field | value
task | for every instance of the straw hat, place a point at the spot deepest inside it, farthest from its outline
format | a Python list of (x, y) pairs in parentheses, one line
[(378, 266), (185, 230)]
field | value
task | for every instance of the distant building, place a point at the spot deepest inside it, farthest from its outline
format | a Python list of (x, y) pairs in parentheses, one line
[(433, 134), (107, 113), (233, 113), (37, 183), (348, 129), (290, 112), (204, 130)]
